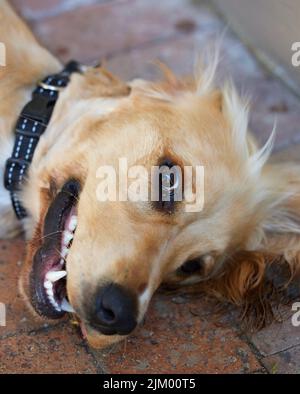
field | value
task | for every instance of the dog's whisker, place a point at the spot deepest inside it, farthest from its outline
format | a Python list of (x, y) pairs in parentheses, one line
[(60, 254), (49, 235), (73, 196)]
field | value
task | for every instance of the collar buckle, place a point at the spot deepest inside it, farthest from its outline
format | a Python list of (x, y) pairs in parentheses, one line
[(40, 108)]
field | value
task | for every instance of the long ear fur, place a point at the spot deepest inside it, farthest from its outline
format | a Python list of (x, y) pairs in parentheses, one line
[(258, 283), (260, 279)]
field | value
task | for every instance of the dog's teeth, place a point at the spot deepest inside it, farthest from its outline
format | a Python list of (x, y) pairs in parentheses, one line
[(73, 223), (67, 237), (64, 252), (65, 306), (50, 292), (48, 284), (55, 304), (54, 276)]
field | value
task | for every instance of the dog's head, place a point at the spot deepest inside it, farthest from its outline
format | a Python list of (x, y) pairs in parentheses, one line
[(107, 256)]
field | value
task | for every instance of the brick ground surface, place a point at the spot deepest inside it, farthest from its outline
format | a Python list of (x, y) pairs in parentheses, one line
[(180, 334)]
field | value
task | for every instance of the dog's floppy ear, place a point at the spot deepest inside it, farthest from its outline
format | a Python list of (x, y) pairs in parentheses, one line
[(266, 272), (257, 282)]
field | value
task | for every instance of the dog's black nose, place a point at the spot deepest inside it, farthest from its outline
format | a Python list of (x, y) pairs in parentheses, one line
[(115, 310)]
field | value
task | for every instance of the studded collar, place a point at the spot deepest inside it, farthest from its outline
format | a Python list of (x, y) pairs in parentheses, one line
[(30, 125)]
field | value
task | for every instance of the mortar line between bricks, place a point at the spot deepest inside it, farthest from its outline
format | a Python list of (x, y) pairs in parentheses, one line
[(100, 368), (282, 350), (37, 330), (255, 351)]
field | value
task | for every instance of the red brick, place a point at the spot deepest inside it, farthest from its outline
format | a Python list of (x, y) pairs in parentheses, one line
[(180, 338), (102, 30), (57, 350)]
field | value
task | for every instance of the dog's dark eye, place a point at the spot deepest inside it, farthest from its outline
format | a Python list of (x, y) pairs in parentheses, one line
[(169, 186), (191, 267)]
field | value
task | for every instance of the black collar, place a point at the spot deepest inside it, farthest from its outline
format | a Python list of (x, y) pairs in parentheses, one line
[(31, 124)]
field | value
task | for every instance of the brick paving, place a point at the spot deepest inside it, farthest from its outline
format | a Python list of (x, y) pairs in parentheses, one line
[(180, 334)]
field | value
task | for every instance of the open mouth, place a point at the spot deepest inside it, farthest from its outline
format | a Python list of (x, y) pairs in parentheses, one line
[(48, 277)]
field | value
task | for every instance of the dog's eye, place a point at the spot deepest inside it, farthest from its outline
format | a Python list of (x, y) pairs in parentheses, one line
[(191, 267), (169, 181), (169, 185)]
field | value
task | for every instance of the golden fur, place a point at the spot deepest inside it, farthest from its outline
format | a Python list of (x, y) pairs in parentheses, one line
[(248, 230)]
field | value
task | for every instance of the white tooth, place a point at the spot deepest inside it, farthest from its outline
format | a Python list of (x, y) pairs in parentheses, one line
[(65, 306), (62, 262), (67, 237), (64, 252), (73, 223), (50, 292), (47, 284), (54, 276), (56, 306), (53, 302)]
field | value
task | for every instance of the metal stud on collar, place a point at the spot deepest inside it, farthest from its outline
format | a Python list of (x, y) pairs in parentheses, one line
[(50, 87)]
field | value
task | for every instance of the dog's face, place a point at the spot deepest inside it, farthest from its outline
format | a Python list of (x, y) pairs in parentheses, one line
[(108, 257)]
